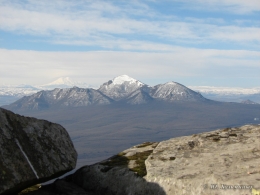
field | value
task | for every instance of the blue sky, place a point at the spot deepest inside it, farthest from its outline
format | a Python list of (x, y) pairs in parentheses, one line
[(198, 42)]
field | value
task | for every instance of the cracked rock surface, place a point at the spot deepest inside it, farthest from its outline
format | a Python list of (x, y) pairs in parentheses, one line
[(32, 151), (208, 163)]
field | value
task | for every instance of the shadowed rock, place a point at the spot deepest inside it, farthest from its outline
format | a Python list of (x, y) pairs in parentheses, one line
[(220, 162), (32, 151)]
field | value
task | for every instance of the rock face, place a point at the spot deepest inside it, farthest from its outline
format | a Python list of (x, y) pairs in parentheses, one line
[(208, 163), (32, 151)]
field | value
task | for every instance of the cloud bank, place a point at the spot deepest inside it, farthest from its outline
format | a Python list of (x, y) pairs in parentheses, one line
[(191, 66), (198, 42)]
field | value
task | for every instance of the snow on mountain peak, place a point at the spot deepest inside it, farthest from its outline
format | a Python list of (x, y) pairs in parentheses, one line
[(125, 78), (170, 83), (62, 81)]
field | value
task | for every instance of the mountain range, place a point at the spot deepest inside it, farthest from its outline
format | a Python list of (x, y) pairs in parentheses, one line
[(12, 93), (229, 94), (120, 89)]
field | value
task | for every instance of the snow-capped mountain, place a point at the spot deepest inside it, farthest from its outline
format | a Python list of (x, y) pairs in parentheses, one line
[(120, 87), (123, 89), (63, 82), (173, 91), (11, 93), (135, 92), (19, 90)]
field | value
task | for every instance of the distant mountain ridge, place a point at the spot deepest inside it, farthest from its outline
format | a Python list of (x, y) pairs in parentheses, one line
[(229, 94), (63, 82), (120, 89), (69, 97), (11, 93)]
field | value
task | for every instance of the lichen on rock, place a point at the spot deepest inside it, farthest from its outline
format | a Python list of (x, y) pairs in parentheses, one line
[(227, 157)]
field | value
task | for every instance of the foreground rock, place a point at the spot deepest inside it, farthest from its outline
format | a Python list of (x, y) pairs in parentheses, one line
[(32, 151), (208, 163), (220, 162)]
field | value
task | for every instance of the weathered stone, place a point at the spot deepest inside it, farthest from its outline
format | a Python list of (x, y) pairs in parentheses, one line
[(32, 151), (219, 162), (208, 163)]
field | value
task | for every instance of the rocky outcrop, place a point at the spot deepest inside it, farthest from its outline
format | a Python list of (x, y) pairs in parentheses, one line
[(32, 151), (208, 163), (120, 174), (220, 162)]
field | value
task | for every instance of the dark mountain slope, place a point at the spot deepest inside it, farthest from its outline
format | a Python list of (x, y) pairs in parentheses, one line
[(123, 88), (58, 98), (173, 91)]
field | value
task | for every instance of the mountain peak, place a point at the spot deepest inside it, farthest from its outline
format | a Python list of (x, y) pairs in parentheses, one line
[(61, 81), (125, 78), (173, 91), (120, 87)]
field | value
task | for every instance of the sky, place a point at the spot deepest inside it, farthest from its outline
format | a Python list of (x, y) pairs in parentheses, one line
[(193, 42)]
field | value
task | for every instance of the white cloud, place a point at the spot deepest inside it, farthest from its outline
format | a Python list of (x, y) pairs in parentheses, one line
[(34, 67), (235, 6), (128, 26)]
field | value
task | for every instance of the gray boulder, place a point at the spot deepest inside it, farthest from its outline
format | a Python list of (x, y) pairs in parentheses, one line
[(32, 151), (220, 162), (225, 161)]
